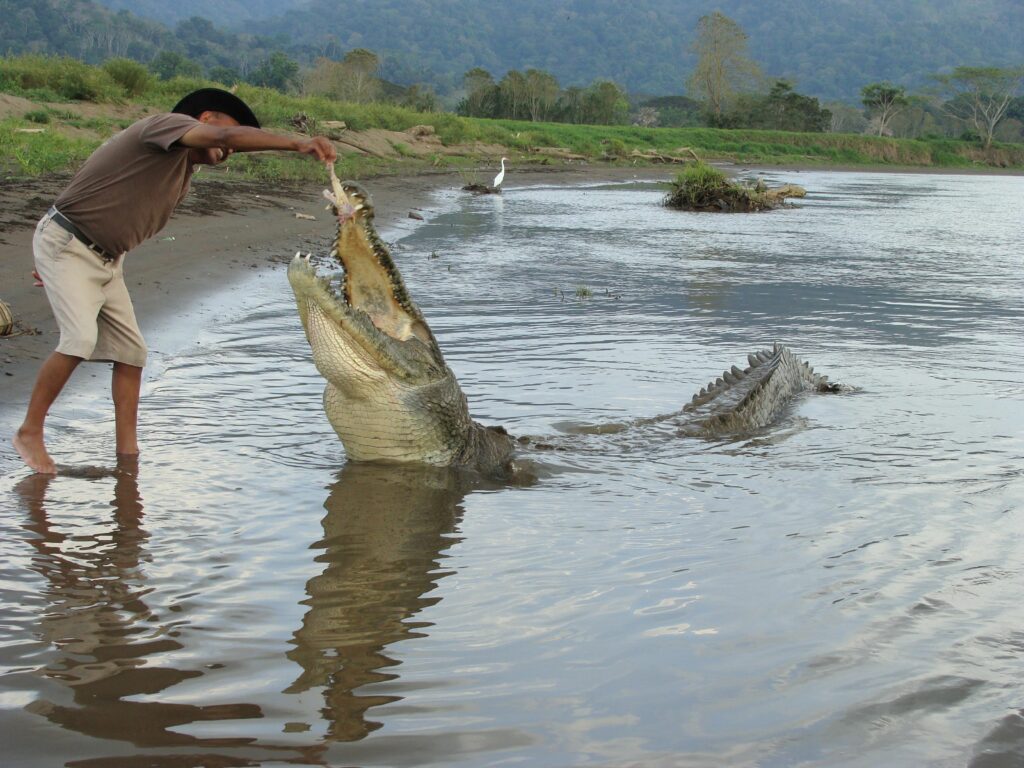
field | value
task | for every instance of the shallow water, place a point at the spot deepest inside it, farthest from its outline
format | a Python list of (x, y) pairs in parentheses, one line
[(842, 589)]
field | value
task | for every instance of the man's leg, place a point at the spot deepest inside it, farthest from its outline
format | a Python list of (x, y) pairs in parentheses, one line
[(125, 384), (67, 270), (28, 440)]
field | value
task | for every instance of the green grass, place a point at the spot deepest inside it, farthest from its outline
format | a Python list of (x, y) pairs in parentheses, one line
[(404, 150), (33, 154), (266, 166), (57, 79), (132, 76)]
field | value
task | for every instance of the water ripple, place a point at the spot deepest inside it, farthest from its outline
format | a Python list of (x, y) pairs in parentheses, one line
[(840, 589)]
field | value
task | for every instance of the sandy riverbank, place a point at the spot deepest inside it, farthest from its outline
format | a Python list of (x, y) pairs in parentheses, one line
[(184, 276)]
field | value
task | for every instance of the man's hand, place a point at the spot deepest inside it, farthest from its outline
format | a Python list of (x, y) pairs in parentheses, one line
[(319, 147), (210, 155), (38, 280)]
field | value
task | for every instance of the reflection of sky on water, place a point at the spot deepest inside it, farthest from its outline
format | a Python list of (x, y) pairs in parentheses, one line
[(841, 590)]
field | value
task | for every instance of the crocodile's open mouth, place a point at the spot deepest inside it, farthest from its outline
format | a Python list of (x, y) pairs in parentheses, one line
[(368, 306), (371, 282)]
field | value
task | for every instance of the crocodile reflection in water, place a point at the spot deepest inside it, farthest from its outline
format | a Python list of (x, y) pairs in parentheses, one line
[(385, 536)]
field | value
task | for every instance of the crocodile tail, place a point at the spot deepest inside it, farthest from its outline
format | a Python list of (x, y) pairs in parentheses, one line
[(732, 377)]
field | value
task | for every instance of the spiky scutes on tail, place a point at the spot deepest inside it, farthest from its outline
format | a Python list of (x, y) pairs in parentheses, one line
[(749, 399)]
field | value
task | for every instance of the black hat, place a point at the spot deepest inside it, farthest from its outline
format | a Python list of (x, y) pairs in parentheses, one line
[(216, 100)]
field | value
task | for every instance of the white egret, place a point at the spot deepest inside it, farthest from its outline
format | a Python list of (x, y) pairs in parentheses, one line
[(501, 174)]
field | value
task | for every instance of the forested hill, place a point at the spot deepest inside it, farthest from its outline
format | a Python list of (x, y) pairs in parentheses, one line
[(829, 48), (225, 13)]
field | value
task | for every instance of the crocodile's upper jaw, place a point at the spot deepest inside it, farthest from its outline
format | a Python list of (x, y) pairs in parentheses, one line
[(367, 319), (372, 282)]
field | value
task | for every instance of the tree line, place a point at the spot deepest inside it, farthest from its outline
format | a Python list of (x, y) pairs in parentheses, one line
[(974, 102), (535, 95), (725, 88)]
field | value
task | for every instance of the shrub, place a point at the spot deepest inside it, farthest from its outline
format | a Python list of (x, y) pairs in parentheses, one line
[(224, 75), (130, 75), (49, 76), (170, 64), (703, 188), (616, 148), (698, 183)]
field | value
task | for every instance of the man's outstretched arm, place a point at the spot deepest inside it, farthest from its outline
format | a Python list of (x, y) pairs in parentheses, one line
[(244, 139)]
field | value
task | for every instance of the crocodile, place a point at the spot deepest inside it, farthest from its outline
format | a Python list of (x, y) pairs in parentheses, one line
[(391, 397)]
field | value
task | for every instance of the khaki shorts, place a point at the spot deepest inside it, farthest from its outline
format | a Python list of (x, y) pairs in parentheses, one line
[(89, 298)]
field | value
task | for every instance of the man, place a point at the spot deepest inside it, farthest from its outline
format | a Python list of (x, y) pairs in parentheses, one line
[(122, 195)]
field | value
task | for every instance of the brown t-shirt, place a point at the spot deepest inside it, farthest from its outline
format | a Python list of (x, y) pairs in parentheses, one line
[(129, 187)]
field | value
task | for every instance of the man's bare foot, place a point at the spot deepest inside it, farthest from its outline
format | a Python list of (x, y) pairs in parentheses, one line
[(33, 452)]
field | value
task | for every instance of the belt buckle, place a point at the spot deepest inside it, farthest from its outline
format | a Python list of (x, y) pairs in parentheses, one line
[(101, 253)]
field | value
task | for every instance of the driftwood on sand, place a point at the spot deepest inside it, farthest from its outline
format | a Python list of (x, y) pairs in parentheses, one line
[(679, 156), (559, 153)]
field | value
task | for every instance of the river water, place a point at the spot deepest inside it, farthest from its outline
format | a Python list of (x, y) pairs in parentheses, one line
[(841, 589)]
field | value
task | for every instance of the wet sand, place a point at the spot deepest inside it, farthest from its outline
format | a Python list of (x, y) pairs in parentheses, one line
[(184, 276)]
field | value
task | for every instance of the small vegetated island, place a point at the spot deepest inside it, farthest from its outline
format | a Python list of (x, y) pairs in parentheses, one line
[(700, 187)]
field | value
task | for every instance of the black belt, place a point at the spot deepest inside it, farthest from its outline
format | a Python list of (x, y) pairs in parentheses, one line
[(65, 223)]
